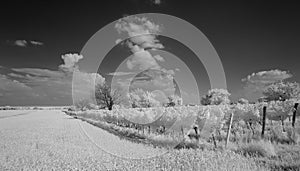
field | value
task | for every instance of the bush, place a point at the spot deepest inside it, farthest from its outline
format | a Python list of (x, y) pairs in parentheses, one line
[(139, 98), (257, 148), (216, 97)]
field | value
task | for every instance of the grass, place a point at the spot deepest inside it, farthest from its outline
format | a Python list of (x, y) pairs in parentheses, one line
[(278, 150), (190, 160)]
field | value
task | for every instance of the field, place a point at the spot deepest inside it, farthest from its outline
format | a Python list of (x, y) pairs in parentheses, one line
[(48, 139), (51, 140), (277, 149)]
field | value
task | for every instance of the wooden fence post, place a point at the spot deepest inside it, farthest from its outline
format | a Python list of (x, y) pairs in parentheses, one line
[(294, 114), (182, 132), (149, 130), (264, 121), (229, 129)]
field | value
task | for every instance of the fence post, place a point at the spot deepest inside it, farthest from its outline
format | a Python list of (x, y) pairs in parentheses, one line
[(229, 129), (149, 130), (294, 114), (264, 121), (182, 132)]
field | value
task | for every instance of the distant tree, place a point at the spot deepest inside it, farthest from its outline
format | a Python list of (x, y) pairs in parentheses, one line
[(142, 99), (106, 96), (216, 97), (82, 104), (243, 101), (281, 91), (174, 100)]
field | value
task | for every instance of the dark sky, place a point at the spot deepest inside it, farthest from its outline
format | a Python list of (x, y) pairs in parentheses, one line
[(249, 36)]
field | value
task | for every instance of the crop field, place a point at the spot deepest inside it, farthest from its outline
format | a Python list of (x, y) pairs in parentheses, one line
[(274, 146), (51, 140), (48, 139)]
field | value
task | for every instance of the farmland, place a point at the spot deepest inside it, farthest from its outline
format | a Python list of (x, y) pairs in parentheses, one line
[(273, 146), (51, 140)]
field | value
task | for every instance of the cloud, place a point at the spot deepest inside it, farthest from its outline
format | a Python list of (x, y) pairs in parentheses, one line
[(70, 62), (36, 43), (16, 75), (14, 92), (38, 72), (267, 77), (255, 83), (24, 43), (157, 2), (159, 58), (39, 86), (120, 73), (21, 43), (142, 60), (142, 36)]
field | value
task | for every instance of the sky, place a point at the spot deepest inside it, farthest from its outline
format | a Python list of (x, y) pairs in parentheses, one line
[(41, 44)]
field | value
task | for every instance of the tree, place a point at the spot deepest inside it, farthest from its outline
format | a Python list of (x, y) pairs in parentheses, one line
[(141, 98), (81, 104), (243, 101), (281, 91), (106, 96), (216, 97), (174, 100)]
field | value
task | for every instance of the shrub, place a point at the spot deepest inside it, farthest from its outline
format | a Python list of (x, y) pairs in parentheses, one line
[(142, 99), (257, 148), (216, 97)]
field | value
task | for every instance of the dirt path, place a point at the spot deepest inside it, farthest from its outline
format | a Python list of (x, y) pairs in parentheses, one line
[(51, 140)]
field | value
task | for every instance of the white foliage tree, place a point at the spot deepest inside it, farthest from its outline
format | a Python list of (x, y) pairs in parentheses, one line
[(174, 100), (142, 99), (282, 91), (216, 97)]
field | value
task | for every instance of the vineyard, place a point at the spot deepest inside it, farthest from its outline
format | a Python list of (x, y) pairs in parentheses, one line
[(248, 129), (203, 121)]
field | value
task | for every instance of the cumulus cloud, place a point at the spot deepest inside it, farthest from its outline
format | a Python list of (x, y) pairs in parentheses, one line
[(14, 92), (157, 2), (25, 43), (37, 86), (38, 72), (142, 37), (21, 43), (142, 60), (159, 58), (255, 83), (36, 43), (267, 77), (120, 73), (70, 62)]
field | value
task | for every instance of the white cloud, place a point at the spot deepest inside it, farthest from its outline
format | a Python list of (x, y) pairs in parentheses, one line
[(159, 58), (16, 75), (120, 73), (21, 43), (255, 83), (36, 43), (267, 77), (39, 72), (157, 2), (142, 35), (70, 62), (142, 60), (25, 43), (36, 86), (118, 41)]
